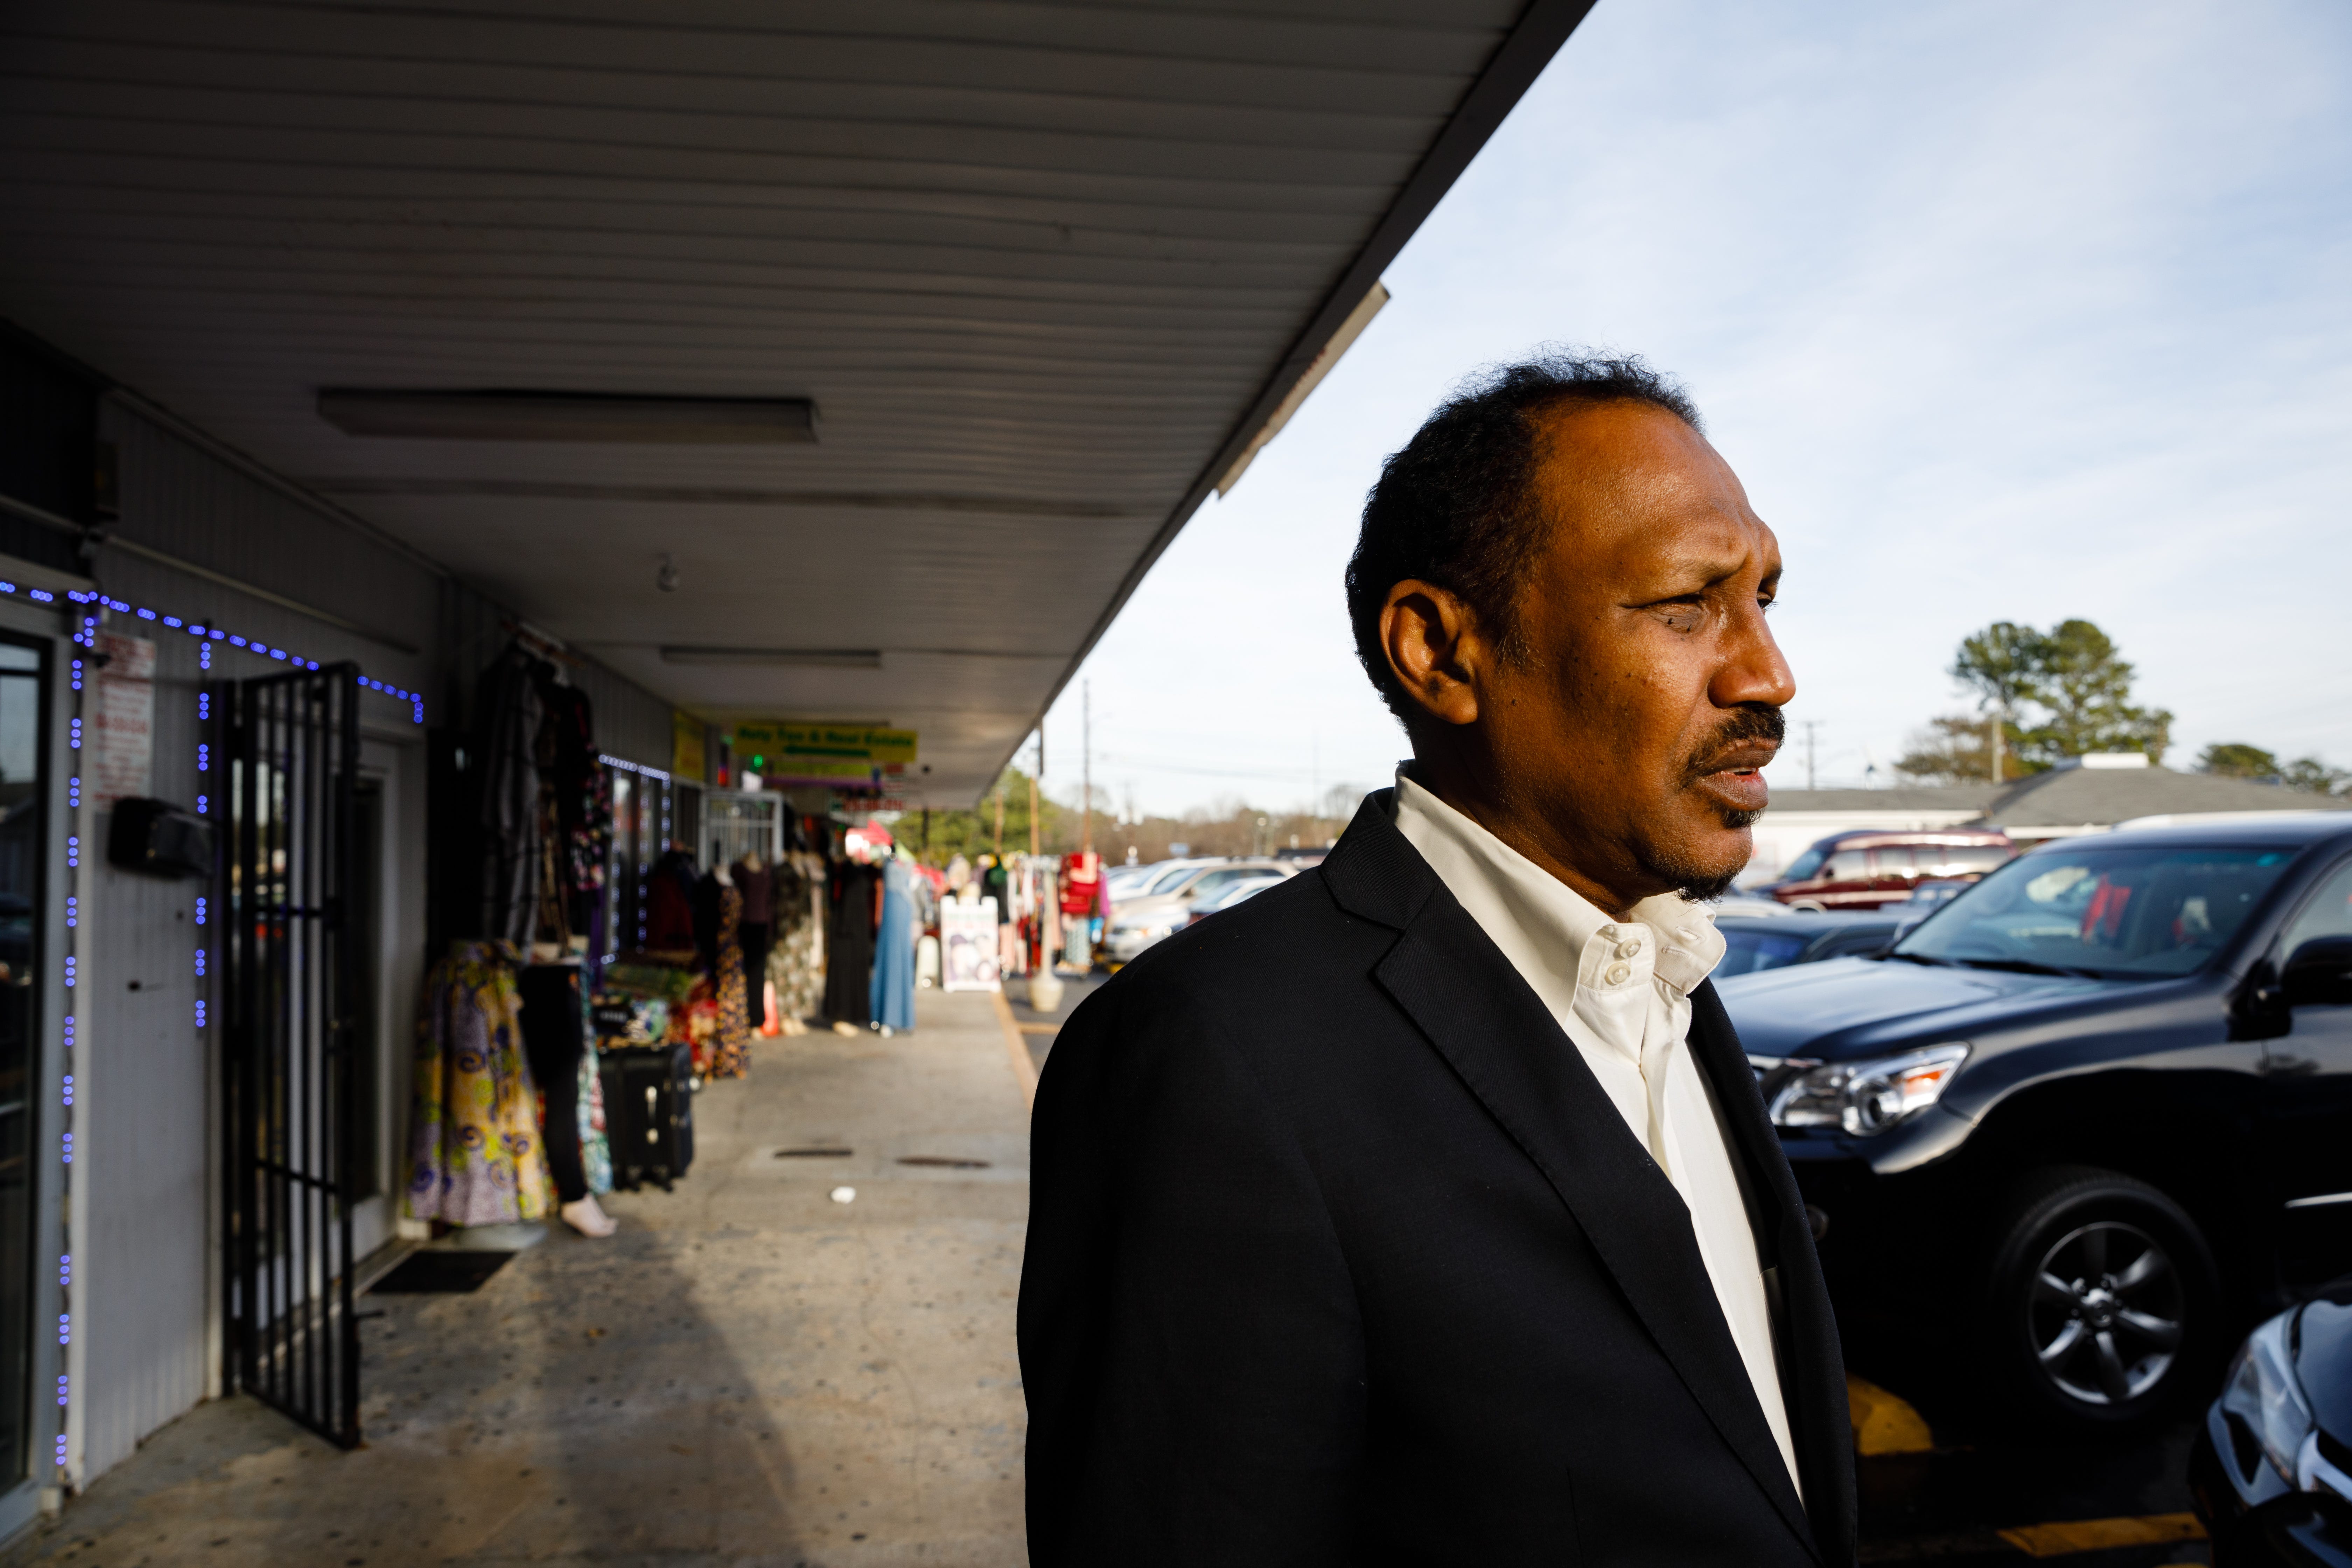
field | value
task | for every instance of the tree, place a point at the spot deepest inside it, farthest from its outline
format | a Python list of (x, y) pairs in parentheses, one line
[(2072, 684), (1956, 748), (2234, 758), (2002, 664), (973, 834), (2084, 688), (2312, 774)]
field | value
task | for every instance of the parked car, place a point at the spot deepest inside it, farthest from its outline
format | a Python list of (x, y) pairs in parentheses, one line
[(1159, 876), (1141, 922), (1127, 881), (1745, 904), (1928, 893), (2086, 1115), (1226, 898), (1868, 869), (2272, 1469), (1754, 943)]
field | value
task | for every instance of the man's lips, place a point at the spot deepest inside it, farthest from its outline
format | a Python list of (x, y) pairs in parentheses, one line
[(1736, 778)]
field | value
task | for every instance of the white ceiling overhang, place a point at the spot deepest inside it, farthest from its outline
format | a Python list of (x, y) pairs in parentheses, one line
[(1044, 270)]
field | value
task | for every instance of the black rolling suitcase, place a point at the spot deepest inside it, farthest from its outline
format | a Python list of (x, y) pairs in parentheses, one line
[(648, 1113)]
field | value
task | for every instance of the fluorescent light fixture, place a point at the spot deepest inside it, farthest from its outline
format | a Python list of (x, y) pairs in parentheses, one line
[(580, 416), (800, 658)]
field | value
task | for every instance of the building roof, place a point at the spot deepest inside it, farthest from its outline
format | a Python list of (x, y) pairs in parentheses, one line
[(1914, 797), (2075, 796), (1045, 270), (2065, 797)]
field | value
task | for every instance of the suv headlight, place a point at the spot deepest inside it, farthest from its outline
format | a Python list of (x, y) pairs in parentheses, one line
[(1866, 1097)]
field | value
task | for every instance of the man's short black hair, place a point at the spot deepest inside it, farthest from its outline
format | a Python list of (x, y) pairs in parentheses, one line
[(1459, 507)]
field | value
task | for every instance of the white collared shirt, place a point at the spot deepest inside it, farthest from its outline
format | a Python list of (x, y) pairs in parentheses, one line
[(1620, 992)]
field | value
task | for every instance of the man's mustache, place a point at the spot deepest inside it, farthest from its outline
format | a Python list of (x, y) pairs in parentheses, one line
[(1752, 723)]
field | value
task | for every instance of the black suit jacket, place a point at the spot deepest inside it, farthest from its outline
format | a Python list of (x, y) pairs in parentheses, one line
[(1339, 1254)]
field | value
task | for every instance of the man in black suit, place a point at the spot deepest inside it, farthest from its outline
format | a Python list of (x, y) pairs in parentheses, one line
[(1423, 1209)]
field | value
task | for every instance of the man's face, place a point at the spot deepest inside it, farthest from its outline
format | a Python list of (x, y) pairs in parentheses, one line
[(1626, 736)]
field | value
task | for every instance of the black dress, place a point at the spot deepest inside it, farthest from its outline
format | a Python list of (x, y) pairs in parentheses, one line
[(553, 1039), (849, 944)]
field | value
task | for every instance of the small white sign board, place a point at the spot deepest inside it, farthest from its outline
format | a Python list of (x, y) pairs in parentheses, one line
[(968, 944), (120, 737)]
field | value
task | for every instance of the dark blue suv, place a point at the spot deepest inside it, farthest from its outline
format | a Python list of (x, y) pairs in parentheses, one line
[(2088, 1119)]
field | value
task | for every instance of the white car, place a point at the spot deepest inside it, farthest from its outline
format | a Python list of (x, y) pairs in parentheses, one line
[(1167, 904), (1136, 881)]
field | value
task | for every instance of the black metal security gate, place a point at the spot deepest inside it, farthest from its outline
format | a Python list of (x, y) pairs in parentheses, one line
[(290, 963)]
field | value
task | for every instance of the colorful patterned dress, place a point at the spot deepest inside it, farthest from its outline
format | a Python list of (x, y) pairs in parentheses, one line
[(730, 1054), (473, 1153)]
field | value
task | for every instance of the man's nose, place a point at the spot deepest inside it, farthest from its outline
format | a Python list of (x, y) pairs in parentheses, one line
[(1753, 669)]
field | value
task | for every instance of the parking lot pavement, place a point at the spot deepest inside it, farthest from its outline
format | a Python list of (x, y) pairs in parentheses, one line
[(1979, 1496)]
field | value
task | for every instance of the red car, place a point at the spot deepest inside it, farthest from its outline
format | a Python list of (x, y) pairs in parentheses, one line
[(1865, 869)]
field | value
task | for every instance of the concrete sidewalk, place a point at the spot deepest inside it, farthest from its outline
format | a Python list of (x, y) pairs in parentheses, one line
[(749, 1373)]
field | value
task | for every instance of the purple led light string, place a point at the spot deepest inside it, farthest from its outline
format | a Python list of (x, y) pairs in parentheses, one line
[(85, 635), (208, 636)]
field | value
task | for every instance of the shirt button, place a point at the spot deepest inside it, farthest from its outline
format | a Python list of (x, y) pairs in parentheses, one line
[(1617, 975), (1628, 949)]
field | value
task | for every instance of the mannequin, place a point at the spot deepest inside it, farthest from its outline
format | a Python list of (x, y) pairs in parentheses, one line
[(719, 919), (892, 990), (854, 914), (554, 1035), (758, 929)]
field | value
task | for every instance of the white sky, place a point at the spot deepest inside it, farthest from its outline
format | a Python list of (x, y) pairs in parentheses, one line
[(2001, 310)]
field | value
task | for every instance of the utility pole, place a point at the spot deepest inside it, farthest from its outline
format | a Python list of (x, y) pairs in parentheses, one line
[(1034, 777), (1811, 726), (1999, 735), (1087, 766), (1000, 816)]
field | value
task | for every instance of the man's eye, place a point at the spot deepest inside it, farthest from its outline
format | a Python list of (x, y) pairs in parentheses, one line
[(1682, 618)]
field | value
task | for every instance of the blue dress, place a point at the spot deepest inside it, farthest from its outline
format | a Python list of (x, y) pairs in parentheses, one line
[(893, 996)]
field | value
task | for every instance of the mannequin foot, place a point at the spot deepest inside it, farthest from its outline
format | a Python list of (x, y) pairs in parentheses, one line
[(588, 1219), (845, 1028), (884, 1028)]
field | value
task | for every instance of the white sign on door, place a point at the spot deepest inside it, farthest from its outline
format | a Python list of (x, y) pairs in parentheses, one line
[(119, 739)]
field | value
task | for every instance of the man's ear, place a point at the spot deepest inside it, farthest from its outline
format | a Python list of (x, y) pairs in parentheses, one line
[(1433, 649)]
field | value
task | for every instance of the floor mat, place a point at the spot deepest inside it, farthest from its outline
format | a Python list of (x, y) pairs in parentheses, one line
[(441, 1272)]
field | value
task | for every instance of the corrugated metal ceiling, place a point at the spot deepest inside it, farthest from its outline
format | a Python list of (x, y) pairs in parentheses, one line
[(1039, 266)]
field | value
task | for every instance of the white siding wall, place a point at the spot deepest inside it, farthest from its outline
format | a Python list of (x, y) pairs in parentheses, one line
[(147, 1280)]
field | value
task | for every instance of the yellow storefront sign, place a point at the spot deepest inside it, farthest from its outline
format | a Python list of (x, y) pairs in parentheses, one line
[(812, 770), (687, 756), (791, 745)]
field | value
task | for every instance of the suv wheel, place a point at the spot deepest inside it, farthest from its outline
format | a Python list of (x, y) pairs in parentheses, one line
[(2100, 1297)]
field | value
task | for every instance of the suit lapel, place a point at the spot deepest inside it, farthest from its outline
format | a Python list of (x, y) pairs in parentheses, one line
[(1485, 1019)]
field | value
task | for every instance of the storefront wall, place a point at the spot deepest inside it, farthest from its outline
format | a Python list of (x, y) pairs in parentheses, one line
[(147, 1279), (146, 1294)]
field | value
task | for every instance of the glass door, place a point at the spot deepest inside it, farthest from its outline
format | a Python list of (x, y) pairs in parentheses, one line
[(23, 846)]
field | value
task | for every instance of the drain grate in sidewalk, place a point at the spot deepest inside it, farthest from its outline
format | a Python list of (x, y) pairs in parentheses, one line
[(944, 1162)]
